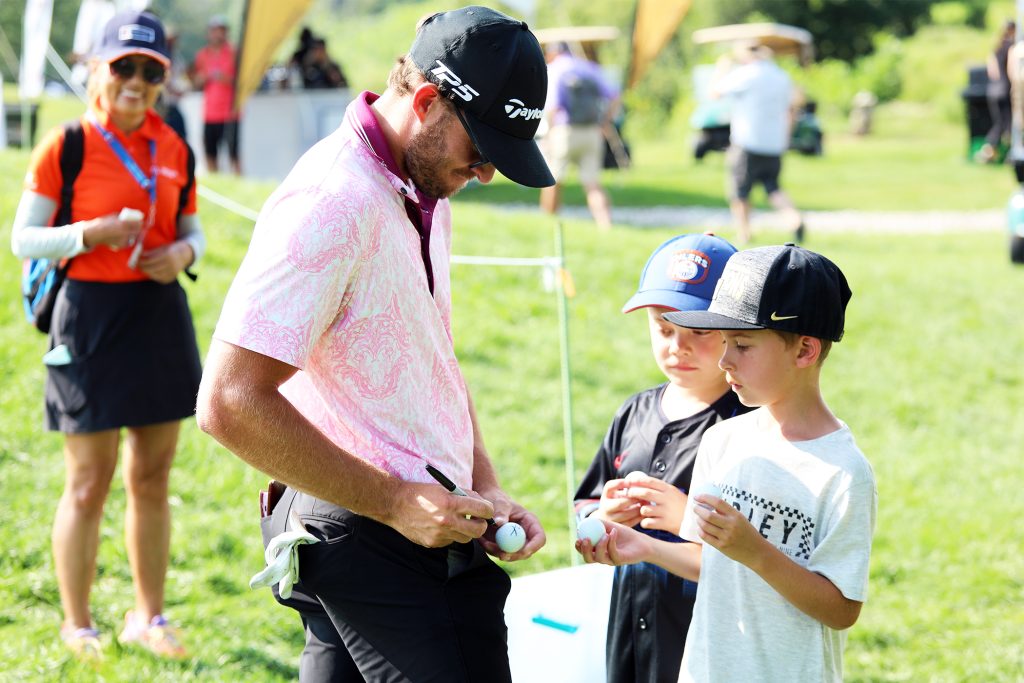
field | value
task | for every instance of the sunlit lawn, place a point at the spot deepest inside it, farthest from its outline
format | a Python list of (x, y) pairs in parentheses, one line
[(929, 377)]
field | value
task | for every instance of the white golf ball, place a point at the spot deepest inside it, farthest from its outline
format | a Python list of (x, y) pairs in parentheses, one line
[(635, 474), (130, 214), (708, 489), (510, 537), (590, 528)]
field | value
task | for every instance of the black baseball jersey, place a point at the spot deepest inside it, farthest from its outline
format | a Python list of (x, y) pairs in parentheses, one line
[(650, 607)]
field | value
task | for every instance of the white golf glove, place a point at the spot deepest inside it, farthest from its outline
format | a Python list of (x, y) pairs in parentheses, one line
[(282, 557)]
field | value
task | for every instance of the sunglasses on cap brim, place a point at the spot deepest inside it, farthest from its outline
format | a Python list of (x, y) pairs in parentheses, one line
[(153, 72)]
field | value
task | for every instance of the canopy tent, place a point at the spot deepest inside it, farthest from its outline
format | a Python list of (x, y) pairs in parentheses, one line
[(265, 24), (782, 39)]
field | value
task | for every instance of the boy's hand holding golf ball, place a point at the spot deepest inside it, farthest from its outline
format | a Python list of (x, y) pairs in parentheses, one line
[(660, 504), (611, 543), (616, 505), (724, 527)]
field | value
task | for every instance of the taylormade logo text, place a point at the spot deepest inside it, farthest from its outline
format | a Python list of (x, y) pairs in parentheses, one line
[(463, 90), (516, 108)]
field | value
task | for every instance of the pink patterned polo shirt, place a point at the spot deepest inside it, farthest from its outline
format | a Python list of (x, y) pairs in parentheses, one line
[(334, 284)]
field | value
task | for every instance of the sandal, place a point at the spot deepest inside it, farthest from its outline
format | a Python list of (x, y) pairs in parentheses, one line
[(158, 636), (83, 642)]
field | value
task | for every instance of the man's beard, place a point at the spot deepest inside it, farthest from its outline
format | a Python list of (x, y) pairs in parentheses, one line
[(425, 157)]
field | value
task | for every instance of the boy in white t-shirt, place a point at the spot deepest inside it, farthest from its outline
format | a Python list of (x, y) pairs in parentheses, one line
[(783, 535)]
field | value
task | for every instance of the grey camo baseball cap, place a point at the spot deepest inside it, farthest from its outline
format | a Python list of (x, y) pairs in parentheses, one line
[(786, 288)]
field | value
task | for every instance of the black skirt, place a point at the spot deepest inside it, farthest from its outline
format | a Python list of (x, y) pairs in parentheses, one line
[(133, 357)]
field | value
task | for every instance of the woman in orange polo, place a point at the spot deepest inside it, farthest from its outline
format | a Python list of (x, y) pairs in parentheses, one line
[(122, 346)]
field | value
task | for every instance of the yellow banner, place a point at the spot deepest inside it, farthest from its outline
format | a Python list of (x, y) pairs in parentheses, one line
[(265, 23), (656, 22)]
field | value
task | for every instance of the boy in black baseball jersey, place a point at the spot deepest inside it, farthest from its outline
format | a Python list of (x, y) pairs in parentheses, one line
[(653, 439)]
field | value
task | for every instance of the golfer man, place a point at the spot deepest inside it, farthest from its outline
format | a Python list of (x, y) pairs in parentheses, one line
[(332, 367)]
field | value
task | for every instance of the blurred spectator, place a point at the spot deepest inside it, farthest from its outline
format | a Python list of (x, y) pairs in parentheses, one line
[(214, 72), (174, 87), (123, 367), (759, 134), (318, 70), (998, 94), (862, 112), (581, 104), (305, 41), (298, 59)]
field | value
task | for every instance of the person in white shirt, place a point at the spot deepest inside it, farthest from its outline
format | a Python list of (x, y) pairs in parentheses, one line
[(761, 93)]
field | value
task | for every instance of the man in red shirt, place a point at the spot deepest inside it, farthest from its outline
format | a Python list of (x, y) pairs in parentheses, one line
[(214, 72)]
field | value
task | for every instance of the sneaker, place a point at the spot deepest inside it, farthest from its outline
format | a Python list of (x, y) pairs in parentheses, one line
[(83, 642), (158, 636)]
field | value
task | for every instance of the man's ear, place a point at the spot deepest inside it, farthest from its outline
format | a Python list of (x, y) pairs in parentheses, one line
[(808, 351), (424, 97)]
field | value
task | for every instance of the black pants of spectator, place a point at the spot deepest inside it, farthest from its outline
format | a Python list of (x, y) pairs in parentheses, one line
[(999, 110), (377, 607)]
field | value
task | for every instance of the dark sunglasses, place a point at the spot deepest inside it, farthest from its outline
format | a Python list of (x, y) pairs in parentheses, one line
[(152, 71), (472, 138)]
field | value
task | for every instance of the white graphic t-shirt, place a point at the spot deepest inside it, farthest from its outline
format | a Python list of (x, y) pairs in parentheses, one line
[(334, 284), (815, 501)]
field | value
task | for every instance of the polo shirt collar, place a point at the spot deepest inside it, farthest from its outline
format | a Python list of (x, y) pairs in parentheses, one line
[(366, 119), (149, 129)]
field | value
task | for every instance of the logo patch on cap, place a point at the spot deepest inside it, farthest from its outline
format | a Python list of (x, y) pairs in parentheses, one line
[(689, 266), (463, 90), (141, 34), (516, 107)]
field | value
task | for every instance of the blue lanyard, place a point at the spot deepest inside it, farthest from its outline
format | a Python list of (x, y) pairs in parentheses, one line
[(146, 183)]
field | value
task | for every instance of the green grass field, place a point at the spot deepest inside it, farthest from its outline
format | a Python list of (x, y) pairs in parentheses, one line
[(929, 377)]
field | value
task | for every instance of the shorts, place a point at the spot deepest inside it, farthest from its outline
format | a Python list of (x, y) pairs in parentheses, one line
[(580, 145), (747, 169), (214, 133), (134, 359)]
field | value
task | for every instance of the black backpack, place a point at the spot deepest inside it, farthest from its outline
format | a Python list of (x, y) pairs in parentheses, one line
[(41, 278), (583, 99)]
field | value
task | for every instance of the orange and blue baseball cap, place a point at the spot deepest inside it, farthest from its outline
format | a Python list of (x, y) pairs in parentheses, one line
[(682, 273)]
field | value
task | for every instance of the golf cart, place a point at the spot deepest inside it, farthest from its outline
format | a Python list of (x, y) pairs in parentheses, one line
[(711, 116)]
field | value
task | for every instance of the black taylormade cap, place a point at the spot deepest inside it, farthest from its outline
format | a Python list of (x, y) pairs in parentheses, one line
[(492, 68), (785, 288)]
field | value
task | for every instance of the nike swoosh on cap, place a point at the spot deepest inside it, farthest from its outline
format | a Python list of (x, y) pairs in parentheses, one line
[(776, 316)]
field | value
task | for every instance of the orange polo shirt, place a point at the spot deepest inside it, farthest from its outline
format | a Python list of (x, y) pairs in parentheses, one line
[(105, 186)]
